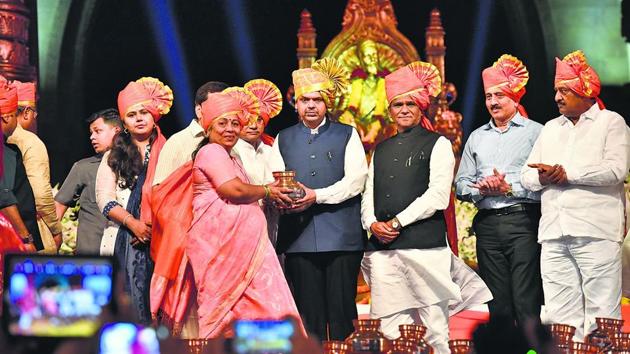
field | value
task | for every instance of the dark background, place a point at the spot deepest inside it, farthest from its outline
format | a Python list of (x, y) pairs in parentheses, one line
[(118, 45)]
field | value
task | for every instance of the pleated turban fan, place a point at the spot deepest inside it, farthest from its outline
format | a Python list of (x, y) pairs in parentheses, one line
[(574, 72), (420, 80), (26, 92), (149, 92), (249, 104), (325, 76), (269, 97), (510, 75), (227, 103)]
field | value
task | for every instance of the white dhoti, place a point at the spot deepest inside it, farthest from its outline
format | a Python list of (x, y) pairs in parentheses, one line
[(412, 286), (581, 281)]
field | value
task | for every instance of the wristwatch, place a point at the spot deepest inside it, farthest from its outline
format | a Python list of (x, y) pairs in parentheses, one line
[(509, 192), (396, 224)]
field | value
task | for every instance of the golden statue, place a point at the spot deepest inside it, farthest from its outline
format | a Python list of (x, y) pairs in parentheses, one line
[(365, 104), (370, 47)]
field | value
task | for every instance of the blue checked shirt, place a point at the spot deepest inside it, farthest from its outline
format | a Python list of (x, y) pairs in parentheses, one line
[(488, 148)]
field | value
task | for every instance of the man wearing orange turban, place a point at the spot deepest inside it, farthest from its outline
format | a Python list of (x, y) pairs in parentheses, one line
[(253, 147), (36, 163), (489, 175), (321, 234), (16, 196), (27, 105), (408, 260), (579, 163)]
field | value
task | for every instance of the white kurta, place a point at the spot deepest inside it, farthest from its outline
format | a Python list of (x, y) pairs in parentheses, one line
[(409, 285), (582, 222)]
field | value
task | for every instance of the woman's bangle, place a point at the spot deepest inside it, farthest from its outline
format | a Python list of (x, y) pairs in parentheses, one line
[(267, 190), (125, 220)]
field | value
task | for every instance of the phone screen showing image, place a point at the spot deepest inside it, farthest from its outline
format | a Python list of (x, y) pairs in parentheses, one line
[(56, 296), (263, 336), (128, 338)]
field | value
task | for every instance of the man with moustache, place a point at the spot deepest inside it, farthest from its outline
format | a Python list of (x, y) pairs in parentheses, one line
[(253, 147), (321, 234), (579, 164), (79, 184), (489, 176)]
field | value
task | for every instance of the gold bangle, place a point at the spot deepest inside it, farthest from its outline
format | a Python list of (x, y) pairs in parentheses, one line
[(267, 190)]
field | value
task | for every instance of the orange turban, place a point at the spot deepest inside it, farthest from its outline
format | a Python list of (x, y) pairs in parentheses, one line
[(26, 93), (510, 75), (249, 104), (218, 105), (8, 99), (325, 76), (268, 95), (574, 72), (149, 92), (420, 80)]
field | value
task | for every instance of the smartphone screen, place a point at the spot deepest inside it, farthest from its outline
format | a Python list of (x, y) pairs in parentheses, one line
[(263, 336), (56, 296), (128, 338)]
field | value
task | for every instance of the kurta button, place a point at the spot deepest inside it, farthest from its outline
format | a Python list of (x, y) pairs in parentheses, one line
[(313, 173), (395, 159), (389, 216), (400, 143), (391, 177), (312, 156), (387, 196)]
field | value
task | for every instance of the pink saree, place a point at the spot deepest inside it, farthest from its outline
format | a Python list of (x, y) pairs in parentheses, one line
[(234, 264), (172, 284)]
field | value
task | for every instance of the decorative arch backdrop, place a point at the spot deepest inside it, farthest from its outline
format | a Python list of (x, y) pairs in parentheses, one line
[(88, 50)]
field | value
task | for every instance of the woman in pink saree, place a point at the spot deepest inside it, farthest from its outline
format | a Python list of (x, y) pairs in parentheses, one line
[(234, 264)]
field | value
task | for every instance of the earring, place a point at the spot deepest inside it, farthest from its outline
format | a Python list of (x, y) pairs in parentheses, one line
[(126, 131)]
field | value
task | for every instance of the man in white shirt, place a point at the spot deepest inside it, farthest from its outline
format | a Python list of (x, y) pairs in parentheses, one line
[(579, 162), (321, 234), (178, 149), (253, 147), (408, 262)]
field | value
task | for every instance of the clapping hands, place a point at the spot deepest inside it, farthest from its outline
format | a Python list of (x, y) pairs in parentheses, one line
[(550, 174), (494, 184)]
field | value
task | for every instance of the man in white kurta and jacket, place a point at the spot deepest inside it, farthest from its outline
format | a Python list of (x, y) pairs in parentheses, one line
[(408, 261)]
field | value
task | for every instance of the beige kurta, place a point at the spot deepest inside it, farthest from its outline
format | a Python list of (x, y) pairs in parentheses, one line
[(36, 164)]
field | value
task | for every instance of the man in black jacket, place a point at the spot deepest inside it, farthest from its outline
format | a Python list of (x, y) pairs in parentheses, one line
[(408, 261)]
